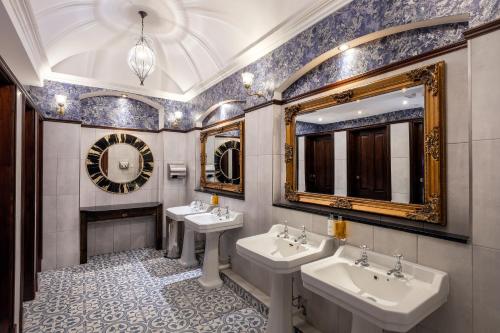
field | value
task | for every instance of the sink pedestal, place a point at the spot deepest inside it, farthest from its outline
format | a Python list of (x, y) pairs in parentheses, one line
[(210, 278), (188, 257), (361, 325), (280, 312), (173, 246)]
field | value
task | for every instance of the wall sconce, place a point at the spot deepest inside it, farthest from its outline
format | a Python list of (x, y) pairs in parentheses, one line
[(177, 118), (248, 82), (61, 103)]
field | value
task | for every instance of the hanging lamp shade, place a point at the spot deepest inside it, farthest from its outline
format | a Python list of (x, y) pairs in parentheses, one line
[(141, 57)]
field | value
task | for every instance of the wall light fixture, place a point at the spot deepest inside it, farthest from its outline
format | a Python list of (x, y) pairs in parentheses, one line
[(247, 78), (61, 103)]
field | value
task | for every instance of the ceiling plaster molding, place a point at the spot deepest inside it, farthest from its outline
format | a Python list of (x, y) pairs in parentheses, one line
[(67, 4), (462, 18), (78, 80), (22, 18)]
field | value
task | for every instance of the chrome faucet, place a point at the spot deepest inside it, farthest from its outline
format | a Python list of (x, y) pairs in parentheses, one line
[(363, 261), (303, 236), (397, 271), (227, 212), (219, 212), (285, 232)]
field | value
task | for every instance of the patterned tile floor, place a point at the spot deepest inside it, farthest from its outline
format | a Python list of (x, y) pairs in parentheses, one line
[(135, 291)]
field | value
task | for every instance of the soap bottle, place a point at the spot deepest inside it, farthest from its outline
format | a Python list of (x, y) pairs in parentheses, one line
[(340, 229), (214, 199), (331, 225)]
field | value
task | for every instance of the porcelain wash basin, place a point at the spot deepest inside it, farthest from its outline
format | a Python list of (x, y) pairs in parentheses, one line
[(281, 255), (377, 300), (176, 215), (211, 224)]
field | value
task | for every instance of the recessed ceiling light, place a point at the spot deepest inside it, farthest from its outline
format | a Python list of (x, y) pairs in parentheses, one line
[(405, 102), (320, 119), (343, 47)]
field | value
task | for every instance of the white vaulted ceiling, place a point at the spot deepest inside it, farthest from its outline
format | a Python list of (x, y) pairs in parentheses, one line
[(197, 42)]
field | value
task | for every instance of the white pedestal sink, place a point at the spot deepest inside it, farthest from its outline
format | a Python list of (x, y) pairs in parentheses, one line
[(211, 224), (282, 257), (176, 214), (377, 301)]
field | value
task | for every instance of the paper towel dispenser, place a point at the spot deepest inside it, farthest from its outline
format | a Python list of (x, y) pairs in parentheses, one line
[(177, 170)]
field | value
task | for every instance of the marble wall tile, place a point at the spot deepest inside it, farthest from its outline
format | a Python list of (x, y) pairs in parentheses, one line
[(68, 248), (455, 259), (392, 242), (486, 301)]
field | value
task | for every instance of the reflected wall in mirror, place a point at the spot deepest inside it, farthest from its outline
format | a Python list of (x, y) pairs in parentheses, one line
[(375, 148), (372, 148), (222, 157), (119, 163)]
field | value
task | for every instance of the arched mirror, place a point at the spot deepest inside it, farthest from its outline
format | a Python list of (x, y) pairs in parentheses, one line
[(119, 163)]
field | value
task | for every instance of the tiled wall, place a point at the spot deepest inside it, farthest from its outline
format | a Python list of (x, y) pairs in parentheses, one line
[(61, 195), (485, 71)]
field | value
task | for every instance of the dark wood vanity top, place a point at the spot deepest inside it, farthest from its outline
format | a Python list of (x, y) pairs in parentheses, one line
[(113, 212), (120, 207)]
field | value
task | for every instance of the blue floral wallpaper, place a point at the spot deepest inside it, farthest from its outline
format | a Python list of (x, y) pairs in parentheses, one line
[(304, 128), (358, 18), (225, 111)]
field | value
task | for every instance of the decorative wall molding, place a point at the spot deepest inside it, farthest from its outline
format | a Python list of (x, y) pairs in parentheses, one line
[(482, 29)]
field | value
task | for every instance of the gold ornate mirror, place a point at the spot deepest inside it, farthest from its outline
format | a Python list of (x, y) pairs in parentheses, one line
[(377, 148), (222, 157)]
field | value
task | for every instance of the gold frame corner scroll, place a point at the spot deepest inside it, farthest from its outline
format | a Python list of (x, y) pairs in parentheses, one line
[(433, 210), (237, 188)]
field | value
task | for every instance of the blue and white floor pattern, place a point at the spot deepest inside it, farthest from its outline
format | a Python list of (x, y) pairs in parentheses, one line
[(135, 291)]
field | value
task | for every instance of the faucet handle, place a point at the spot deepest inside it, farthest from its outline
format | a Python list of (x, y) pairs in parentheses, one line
[(398, 257), (364, 248)]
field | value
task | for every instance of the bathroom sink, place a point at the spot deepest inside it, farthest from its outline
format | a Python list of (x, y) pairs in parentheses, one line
[(178, 213), (374, 297), (281, 255), (210, 222)]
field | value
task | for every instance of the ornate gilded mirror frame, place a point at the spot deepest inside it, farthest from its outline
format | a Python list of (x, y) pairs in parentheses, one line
[(433, 210), (238, 188)]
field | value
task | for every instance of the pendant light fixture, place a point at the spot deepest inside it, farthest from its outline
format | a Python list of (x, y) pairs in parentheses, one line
[(141, 58)]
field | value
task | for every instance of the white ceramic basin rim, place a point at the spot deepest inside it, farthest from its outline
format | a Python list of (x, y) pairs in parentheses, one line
[(178, 213), (283, 255), (210, 222), (395, 304)]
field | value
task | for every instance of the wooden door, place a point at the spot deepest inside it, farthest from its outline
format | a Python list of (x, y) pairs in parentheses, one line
[(319, 163), (7, 205), (39, 193), (417, 162), (28, 204), (369, 163)]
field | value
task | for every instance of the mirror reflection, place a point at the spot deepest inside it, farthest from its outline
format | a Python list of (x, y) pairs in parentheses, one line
[(371, 148), (223, 158), (121, 163)]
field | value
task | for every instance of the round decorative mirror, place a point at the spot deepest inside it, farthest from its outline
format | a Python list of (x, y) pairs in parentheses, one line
[(227, 162), (119, 163)]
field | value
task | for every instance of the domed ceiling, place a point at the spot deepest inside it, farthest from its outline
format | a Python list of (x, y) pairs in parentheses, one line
[(197, 42)]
